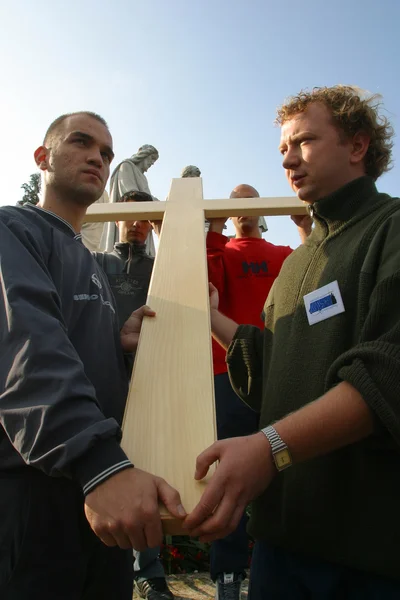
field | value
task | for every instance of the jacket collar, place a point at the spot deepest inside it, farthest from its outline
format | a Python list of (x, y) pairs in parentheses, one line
[(54, 220), (354, 199), (126, 249)]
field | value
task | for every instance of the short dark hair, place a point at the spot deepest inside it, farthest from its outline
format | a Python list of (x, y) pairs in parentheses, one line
[(136, 196), (57, 122)]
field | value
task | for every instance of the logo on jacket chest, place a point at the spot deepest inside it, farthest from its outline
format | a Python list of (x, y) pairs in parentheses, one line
[(98, 296), (125, 285)]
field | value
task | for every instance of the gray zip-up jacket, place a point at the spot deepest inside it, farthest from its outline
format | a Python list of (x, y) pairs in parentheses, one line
[(128, 268), (63, 382)]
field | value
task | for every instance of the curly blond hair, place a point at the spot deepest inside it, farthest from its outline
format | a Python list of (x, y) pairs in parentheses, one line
[(353, 110)]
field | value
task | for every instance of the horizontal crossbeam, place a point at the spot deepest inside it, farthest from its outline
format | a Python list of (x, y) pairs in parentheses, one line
[(231, 207), (123, 211), (257, 207)]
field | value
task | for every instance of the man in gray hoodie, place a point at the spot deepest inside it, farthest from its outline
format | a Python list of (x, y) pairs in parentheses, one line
[(74, 502)]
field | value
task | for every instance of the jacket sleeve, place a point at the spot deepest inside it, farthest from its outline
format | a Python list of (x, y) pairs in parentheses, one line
[(48, 407), (372, 366), (216, 243), (245, 365)]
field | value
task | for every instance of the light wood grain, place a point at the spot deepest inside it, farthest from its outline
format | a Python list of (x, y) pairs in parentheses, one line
[(258, 207), (170, 415), (122, 211), (235, 207)]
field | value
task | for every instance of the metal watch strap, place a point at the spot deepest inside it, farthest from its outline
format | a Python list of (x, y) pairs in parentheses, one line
[(277, 445)]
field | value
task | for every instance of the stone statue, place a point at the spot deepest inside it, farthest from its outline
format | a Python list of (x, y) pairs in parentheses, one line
[(191, 171), (92, 232), (262, 223), (129, 175)]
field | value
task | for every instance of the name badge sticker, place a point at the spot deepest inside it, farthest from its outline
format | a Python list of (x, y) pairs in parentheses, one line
[(324, 303)]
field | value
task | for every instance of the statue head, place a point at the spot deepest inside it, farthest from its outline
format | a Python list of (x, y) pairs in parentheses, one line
[(191, 171), (145, 157)]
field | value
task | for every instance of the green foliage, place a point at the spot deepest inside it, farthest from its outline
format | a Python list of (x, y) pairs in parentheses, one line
[(31, 189)]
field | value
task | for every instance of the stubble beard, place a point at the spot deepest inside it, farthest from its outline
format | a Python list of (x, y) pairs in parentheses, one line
[(85, 198), (79, 194)]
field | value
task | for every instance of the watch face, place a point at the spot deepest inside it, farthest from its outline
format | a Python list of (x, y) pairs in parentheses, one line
[(282, 459)]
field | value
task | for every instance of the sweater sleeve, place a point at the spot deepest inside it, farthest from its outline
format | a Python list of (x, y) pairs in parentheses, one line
[(286, 251), (373, 365), (245, 365), (216, 243), (48, 407)]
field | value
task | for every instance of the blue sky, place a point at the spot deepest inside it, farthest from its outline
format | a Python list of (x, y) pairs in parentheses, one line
[(200, 81)]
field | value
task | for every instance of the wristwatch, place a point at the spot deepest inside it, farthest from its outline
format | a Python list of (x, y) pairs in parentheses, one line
[(280, 452)]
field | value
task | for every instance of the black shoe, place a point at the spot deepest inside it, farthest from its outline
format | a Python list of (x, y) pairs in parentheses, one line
[(154, 589), (228, 586)]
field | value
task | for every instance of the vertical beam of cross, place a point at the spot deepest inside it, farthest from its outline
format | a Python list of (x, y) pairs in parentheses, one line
[(170, 416)]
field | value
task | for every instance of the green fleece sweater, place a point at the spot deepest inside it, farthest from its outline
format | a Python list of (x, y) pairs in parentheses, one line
[(343, 507)]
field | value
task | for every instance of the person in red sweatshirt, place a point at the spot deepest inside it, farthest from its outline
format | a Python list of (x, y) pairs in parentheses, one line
[(243, 270)]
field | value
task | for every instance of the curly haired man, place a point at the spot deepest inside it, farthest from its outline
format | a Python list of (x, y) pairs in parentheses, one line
[(324, 373)]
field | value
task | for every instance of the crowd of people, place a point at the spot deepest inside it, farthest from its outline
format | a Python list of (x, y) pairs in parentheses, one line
[(306, 348)]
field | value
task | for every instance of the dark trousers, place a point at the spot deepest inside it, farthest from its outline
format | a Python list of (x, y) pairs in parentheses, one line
[(234, 418), (147, 564), (47, 549), (280, 575)]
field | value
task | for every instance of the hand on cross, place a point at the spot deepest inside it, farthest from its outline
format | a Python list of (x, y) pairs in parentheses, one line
[(245, 470), (131, 328), (156, 225), (217, 225), (214, 296), (123, 511)]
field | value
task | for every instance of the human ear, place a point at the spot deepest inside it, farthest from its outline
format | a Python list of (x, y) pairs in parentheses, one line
[(360, 145), (41, 155)]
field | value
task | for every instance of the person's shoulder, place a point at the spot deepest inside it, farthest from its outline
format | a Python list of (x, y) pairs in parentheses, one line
[(110, 262), (382, 236), (393, 202), (11, 212), (279, 250), (388, 213), (28, 225), (388, 197), (21, 215)]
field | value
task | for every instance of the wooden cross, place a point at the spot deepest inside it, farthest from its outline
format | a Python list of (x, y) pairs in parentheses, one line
[(170, 417)]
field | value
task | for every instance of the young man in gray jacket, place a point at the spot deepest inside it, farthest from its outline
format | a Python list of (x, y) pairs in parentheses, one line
[(128, 267), (72, 503)]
